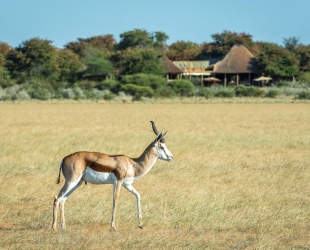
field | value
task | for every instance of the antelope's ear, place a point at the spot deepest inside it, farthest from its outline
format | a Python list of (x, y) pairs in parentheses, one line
[(159, 136)]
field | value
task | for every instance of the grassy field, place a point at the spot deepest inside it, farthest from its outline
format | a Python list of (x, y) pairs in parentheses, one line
[(240, 178)]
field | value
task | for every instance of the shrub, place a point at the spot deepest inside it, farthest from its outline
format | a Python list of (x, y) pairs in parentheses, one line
[(3, 95), (305, 77), (79, 93), (100, 94), (85, 84), (272, 93), (304, 95), (208, 94), (242, 90), (137, 91), (225, 93), (164, 91), (67, 93), (109, 84), (153, 81), (36, 91), (182, 87), (4, 83), (23, 95)]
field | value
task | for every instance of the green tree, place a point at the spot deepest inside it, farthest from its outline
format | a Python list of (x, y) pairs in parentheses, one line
[(303, 54), (291, 43), (69, 65), (182, 87), (96, 62), (183, 51), (105, 43), (276, 61), (223, 42), (135, 39), (139, 60), (160, 39), (4, 50), (34, 58)]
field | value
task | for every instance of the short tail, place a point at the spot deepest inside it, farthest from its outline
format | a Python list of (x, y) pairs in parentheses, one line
[(60, 167)]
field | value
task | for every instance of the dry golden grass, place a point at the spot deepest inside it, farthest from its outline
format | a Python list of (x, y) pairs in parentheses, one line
[(240, 179)]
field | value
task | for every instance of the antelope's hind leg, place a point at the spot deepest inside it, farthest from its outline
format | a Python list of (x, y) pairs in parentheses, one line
[(116, 191), (64, 193)]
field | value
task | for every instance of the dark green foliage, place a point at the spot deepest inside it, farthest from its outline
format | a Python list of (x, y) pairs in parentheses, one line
[(139, 38), (304, 95), (182, 87), (283, 84), (208, 94), (153, 81), (272, 93), (146, 60), (33, 58), (36, 90), (96, 62), (85, 84), (275, 60), (137, 91), (225, 93), (4, 83), (164, 91), (242, 90), (109, 84)]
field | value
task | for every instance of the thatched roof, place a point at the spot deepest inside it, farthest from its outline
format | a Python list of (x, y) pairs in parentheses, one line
[(238, 60), (170, 66)]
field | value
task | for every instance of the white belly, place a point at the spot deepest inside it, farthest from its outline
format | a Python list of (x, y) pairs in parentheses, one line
[(95, 177)]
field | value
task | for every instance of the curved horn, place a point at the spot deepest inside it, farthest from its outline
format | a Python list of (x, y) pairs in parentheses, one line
[(154, 128)]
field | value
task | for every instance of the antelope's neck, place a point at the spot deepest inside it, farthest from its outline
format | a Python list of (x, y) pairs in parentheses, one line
[(146, 161)]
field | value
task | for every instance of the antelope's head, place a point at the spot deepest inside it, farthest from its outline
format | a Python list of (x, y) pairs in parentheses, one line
[(163, 151)]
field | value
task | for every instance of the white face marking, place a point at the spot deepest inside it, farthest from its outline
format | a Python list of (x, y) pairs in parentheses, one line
[(163, 152)]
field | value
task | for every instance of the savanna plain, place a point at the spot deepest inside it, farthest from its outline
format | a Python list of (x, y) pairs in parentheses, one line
[(240, 178)]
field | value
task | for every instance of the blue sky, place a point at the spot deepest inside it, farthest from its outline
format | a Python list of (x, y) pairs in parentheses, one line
[(63, 21)]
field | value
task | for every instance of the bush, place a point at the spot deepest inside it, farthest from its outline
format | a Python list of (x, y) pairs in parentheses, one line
[(23, 95), (208, 94), (283, 84), (109, 84), (153, 81), (272, 93), (85, 84), (67, 93), (100, 94), (242, 90), (305, 77), (36, 90), (304, 95), (182, 87), (137, 91), (4, 83), (164, 91), (225, 93)]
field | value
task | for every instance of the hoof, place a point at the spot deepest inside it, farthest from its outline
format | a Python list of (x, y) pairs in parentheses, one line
[(140, 227)]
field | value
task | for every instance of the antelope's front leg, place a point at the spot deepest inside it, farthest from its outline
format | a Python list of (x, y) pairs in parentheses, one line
[(117, 187), (133, 191)]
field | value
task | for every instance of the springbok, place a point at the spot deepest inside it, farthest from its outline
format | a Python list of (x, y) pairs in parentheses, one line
[(100, 168)]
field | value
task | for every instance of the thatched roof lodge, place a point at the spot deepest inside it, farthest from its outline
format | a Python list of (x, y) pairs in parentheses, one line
[(239, 65), (172, 70)]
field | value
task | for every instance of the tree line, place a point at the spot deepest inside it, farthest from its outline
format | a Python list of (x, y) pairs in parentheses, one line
[(37, 64)]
